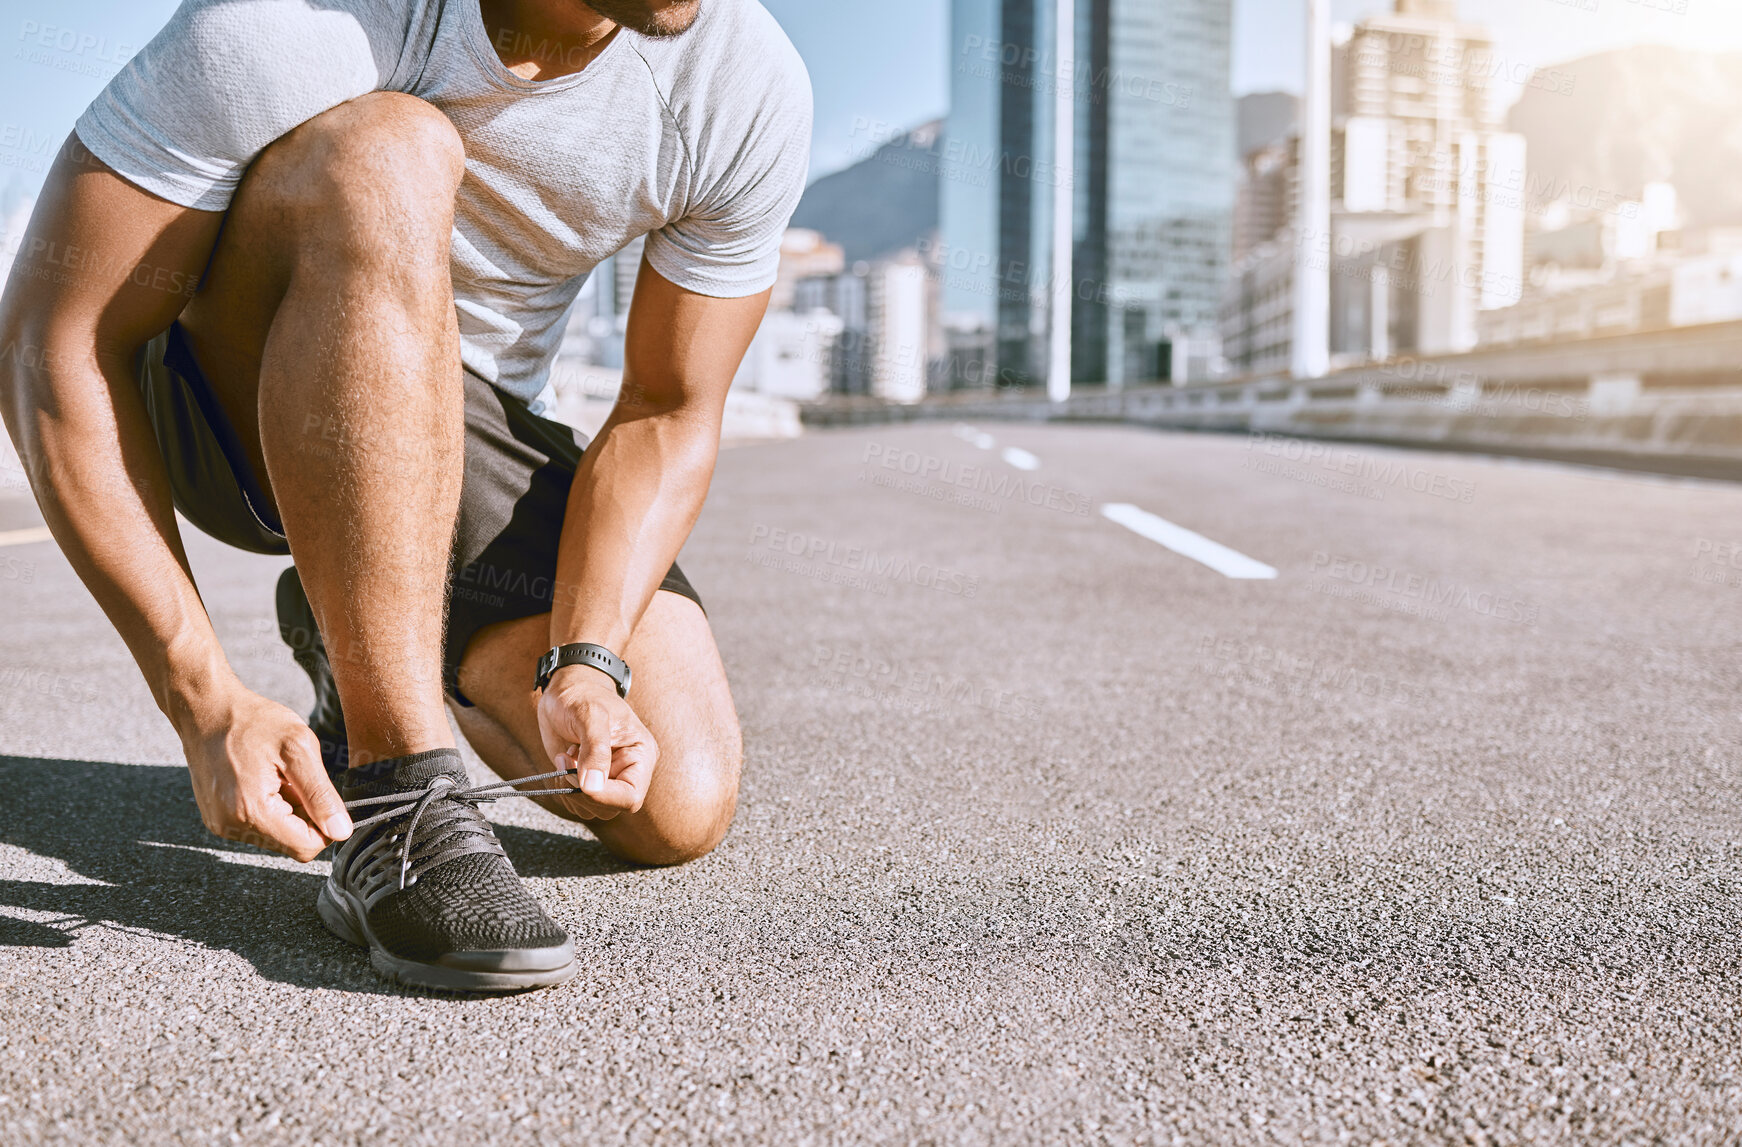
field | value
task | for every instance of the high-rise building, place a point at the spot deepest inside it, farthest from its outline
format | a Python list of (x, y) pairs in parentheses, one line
[(997, 170), (1267, 196), (897, 300), (1152, 181), (1420, 132), (1167, 142), (1427, 214)]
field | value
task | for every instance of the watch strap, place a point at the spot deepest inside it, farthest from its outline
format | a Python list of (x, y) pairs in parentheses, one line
[(585, 653)]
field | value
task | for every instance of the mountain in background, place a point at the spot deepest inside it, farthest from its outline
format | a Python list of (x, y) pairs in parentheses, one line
[(886, 201), (1264, 118), (1635, 116)]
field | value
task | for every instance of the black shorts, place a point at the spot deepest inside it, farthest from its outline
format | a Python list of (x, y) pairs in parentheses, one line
[(512, 501)]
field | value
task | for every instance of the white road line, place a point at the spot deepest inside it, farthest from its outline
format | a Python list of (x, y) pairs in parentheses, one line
[(1185, 543), (978, 437), (1020, 458), (25, 537)]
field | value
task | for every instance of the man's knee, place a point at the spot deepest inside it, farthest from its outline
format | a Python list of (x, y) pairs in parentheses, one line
[(373, 179), (689, 817)]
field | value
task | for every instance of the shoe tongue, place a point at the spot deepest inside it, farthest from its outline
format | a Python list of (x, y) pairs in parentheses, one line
[(406, 774)]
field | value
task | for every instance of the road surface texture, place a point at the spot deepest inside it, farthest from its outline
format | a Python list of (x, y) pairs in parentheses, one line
[(1049, 833)]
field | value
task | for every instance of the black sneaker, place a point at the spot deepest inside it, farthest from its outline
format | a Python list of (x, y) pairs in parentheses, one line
[(296, 625), (423, 883)]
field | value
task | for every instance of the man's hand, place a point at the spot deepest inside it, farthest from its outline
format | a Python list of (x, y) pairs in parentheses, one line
[(258, 778), (588, 728)]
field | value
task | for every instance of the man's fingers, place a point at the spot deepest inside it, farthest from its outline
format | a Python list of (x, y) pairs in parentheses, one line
[(291, 835), (278, 829), (614, 795), (637, 776), (311, 790), (594, 758), (632, 767)]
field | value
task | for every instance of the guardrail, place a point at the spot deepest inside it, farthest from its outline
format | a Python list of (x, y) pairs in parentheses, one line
[(1609, 402)]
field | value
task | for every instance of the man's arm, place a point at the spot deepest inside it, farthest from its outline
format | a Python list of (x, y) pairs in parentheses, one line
[(102, 269), (640, 486)]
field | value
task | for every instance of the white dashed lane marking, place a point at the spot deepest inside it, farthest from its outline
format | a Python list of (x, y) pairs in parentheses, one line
[(1014, 455), (25, 537), (1185, 543)]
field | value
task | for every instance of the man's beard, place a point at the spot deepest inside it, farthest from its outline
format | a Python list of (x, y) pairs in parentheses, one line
[(650, 17)]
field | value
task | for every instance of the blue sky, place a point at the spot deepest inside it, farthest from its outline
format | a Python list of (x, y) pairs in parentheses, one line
[(883, 62)]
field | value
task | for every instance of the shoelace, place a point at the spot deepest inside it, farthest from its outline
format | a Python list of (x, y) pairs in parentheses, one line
[(451, 823)]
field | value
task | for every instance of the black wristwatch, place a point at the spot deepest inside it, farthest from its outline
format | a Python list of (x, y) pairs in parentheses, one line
[(583, 653)]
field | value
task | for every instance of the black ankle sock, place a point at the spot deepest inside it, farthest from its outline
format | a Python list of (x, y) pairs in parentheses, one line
[(384, 769)]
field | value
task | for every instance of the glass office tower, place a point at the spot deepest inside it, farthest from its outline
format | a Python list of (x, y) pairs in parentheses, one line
[(1152, 182), (998, 174), (1171, 178)]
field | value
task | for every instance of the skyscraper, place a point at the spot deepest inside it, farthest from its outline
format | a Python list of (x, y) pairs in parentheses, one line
[(1152, 182), (1419, 132), (996, 165), (1427, 202), (1167, 143)]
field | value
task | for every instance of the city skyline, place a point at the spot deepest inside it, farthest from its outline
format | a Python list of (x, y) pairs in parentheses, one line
[(1439, 223), (885, 64), (1528, 34)]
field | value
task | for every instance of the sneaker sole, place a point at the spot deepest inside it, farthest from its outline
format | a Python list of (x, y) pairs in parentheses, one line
[(344, 918)]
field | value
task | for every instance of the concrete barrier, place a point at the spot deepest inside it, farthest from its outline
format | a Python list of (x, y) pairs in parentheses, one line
[(1609, 402)]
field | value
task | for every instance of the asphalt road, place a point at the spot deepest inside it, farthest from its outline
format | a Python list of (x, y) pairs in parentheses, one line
[(1049, 833)]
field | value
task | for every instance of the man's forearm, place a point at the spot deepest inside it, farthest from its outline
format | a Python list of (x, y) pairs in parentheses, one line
[(642, 482), (635, 498), (93, 465), (70, 330)]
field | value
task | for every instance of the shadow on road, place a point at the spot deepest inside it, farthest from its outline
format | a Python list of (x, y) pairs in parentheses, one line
[(141, 860)]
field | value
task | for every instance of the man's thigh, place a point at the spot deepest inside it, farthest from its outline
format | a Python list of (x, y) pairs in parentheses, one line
[(680, 694)]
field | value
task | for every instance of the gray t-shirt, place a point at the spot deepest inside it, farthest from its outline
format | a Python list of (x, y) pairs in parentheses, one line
[(700, 142)]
